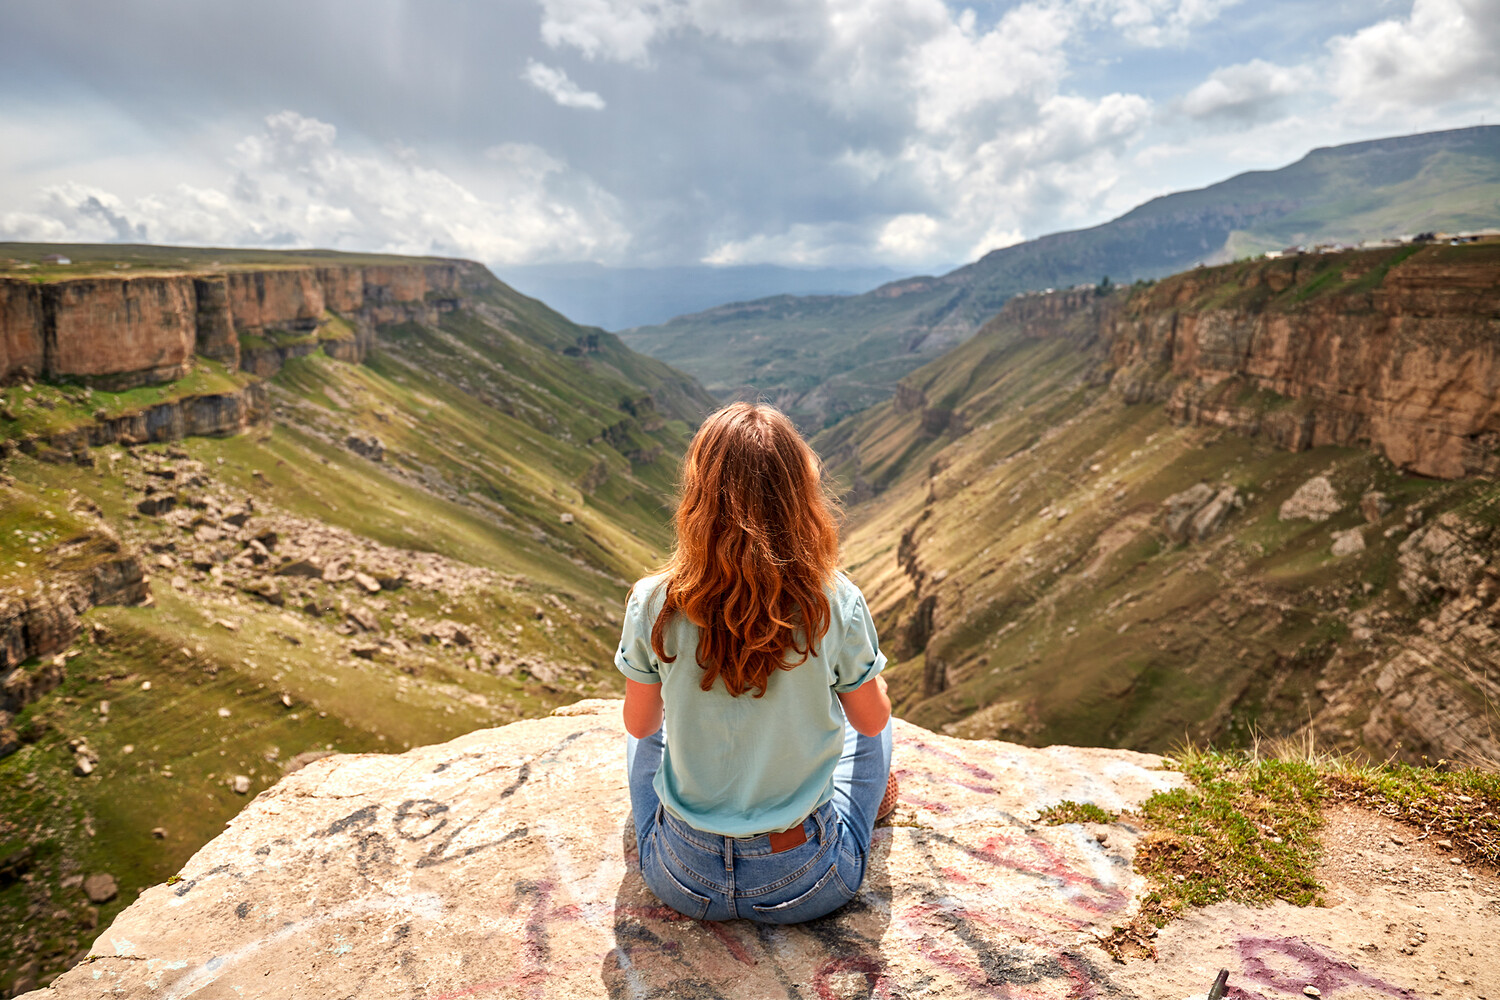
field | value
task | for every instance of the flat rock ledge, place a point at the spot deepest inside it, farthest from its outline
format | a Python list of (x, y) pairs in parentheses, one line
[(501, 865)]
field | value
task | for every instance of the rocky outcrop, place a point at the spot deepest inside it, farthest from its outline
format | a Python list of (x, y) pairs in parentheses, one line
[(117, 332), (1315, 500), (1199, 511), (210, 415), (1081, 315), (82, 573), (1392, 348), (503, 864), (1430, 690)]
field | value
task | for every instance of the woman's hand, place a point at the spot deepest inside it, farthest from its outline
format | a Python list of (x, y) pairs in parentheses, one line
[(643, 709), (867, 707)]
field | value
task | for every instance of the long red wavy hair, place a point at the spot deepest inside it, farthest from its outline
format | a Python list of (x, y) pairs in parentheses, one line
[(757, 543)]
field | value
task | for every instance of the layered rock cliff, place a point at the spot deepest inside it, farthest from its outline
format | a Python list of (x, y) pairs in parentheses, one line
[(117, 332), (1395, 349)]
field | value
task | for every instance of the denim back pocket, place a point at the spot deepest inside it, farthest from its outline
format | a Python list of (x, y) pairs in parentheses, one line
[(668, 887), (827, 894)]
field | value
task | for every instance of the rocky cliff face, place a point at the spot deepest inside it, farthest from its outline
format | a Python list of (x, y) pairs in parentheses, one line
[(120, 332), (210, 415), (81, 572), (1395, 349)]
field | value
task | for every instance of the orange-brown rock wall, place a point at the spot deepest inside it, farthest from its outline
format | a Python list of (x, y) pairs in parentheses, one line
[(343, 288), (22, 348), (1411, 367), (286, 299), (119, 331), (216, 336)]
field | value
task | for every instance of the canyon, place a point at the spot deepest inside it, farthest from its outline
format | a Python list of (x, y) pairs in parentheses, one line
[(301, 506)]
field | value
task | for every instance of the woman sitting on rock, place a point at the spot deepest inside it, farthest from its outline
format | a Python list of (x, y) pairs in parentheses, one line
[(760, 747)]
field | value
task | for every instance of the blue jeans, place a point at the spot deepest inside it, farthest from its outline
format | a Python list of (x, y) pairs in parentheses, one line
[(708, 876)]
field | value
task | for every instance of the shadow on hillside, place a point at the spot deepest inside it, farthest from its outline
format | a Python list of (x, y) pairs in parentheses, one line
[(660, 953)]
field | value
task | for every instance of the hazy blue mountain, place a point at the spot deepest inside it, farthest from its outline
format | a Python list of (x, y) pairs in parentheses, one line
[(619, 297)]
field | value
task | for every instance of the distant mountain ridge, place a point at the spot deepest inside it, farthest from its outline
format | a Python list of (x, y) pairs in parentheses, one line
[(823, 357), (619, 297)]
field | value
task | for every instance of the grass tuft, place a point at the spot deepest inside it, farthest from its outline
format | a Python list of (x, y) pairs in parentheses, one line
[(1244, 831), (1068, 811)]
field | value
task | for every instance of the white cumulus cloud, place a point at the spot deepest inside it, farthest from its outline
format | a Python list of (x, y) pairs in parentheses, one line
[(1246, 92), (556, 85), (293, 184), (1443, 50)]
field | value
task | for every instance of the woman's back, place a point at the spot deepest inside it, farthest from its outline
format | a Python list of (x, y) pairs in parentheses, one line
[(745, 765)]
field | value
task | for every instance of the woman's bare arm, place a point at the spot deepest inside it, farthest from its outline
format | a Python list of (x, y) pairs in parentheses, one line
[(867, 707), (643, 710)]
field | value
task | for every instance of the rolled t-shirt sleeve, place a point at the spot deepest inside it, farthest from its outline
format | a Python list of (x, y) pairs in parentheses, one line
[(860, 658), (633, 658)]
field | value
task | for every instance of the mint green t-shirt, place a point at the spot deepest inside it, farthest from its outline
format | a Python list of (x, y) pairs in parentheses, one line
[(745, 766)]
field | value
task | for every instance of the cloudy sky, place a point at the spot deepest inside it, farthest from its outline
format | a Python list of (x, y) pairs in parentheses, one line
[(915, 134)]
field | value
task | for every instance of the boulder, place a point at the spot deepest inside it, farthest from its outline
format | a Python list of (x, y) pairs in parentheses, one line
[(364, 619), (368, 582), (391, 579), (100, 888), (241, 784), (1180, 508), (1347, 543), (367, 445), (157, 504), (1198, 512), (503, 863), (1315, 500), (301, 567), (266, 590), (1212, 516), (1374, 506)]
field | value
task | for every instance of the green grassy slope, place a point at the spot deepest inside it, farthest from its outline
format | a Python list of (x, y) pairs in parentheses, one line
[(825, 357), (528, 467)]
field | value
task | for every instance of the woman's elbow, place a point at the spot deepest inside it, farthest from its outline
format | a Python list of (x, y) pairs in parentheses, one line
[(871, 726), (642, 728)]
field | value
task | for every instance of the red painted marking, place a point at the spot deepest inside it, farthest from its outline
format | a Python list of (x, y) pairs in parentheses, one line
[(873, 969), (729, 941), (953, 759), (937, 807), (1328, 973)]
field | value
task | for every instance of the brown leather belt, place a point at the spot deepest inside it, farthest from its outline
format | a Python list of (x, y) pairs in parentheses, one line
[(788, 839)]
